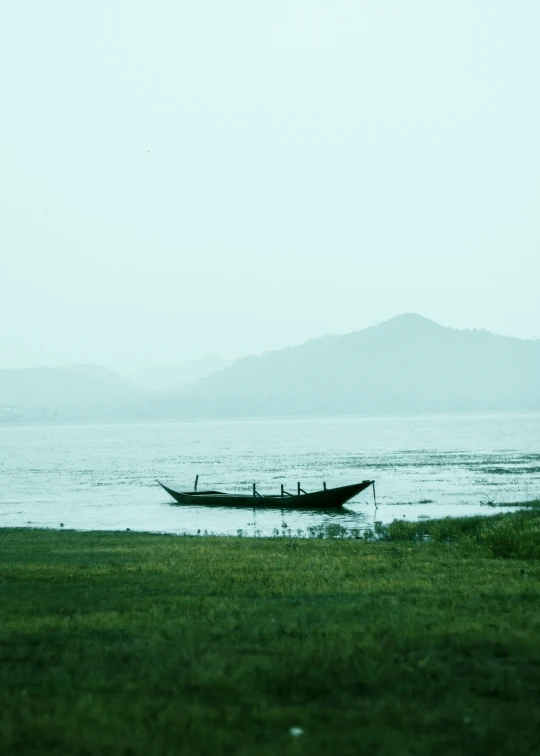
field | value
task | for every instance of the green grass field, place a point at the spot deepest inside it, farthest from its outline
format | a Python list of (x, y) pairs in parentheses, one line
[(426, 641)]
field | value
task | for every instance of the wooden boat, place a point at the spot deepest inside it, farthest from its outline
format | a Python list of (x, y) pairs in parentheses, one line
[(328, 498)]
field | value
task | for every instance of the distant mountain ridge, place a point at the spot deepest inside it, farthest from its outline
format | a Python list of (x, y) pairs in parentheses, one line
[(101, 374), (87, 385), (165, 378), (406, 365), (61, 387), (92, 392)]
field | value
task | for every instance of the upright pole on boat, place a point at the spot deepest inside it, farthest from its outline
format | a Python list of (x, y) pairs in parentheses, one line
[(254, 491), (324, 485), (298, 488), (282, 490), (196, 481)]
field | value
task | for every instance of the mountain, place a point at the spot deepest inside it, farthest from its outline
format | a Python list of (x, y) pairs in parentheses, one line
[(163, 378), (79, 391), (408, 364), (102, 375)]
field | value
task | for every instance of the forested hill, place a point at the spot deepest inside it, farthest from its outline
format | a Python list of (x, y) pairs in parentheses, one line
[(405, 365), (62, 387)]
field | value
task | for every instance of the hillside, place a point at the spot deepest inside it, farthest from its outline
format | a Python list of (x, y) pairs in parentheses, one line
[(79, 391), (168, 378), (406, 365)]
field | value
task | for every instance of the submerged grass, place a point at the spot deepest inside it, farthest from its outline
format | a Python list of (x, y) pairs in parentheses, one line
[(420, 642)]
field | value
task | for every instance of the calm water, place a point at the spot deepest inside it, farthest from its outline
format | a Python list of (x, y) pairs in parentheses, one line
[(103, 476)]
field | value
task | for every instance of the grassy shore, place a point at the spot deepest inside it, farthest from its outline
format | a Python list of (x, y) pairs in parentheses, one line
[(425, 641)]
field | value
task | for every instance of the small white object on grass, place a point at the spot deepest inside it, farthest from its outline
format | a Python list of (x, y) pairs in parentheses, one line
[(296, 731)]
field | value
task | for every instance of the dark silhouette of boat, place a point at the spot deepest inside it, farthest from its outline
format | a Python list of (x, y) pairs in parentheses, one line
[(328, 498)]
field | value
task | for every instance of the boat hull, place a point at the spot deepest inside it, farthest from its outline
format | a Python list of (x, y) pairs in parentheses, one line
[(331, 498)]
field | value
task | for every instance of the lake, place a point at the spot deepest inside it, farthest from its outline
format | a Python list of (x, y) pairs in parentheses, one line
[(103, 477)]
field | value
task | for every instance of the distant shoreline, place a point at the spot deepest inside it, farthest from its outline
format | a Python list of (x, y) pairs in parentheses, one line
[(264, 418)]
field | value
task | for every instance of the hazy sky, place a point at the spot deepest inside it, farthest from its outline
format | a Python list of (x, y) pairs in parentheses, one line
[(184, 178)]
